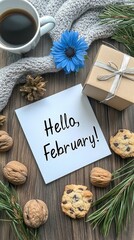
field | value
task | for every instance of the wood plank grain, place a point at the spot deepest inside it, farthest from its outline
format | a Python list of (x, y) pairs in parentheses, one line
[(59, 226)]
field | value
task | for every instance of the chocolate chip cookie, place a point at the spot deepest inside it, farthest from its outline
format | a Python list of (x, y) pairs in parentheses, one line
[(122, 143), (76, 201)]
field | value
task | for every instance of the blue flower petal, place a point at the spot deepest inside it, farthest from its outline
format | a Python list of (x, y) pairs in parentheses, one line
[(82, 44), (68, 67), (58, 55), (58, 45), (64, 63), (79, 56), (72, 66), (76, 61), (69, 39)]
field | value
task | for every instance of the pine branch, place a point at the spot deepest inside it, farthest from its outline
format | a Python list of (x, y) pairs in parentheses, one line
[(9, 204), (125, 35), (121, 14), (116, 205), (122, 19)]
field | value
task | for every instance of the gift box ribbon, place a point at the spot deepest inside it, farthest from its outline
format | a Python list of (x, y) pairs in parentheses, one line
[(116, 73)]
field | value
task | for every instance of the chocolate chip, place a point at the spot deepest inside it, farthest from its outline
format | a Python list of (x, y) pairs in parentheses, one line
[(80, 209), (64, 202), (125, 137), (128, 149), (90, 200), (80, 189), (69, 191), (76, 198), (116, 144), (121, 130), (71, 211)]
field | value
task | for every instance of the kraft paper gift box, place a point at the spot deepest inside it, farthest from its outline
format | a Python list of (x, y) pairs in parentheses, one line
[(111, 79)]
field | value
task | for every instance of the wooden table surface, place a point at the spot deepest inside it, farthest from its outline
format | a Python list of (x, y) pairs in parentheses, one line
[(59, 226)]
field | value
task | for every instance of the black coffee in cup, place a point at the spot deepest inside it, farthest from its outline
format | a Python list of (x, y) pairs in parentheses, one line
[(17, 27)]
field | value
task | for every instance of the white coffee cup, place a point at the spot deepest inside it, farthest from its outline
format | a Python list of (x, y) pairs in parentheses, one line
[(43, 24)]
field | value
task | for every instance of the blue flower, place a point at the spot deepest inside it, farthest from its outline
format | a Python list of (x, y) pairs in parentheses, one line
[(69, 52)]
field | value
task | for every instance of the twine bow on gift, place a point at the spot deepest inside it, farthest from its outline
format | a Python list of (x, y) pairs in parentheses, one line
[(117, 73)]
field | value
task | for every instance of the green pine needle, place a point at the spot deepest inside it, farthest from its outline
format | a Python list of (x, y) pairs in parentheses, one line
[(9, 204), (116, 205), (121, 14), (125, 35), (122, 19)]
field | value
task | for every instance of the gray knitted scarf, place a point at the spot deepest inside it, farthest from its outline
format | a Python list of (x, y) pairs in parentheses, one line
[(77, 15)]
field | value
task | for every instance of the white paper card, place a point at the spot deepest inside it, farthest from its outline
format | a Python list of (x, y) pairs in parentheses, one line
[(63, 133)]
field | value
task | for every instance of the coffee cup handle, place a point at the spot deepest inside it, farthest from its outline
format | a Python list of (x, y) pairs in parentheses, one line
[(47, 23)]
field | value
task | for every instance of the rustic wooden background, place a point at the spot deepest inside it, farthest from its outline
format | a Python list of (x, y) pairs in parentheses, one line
[(59, 226)]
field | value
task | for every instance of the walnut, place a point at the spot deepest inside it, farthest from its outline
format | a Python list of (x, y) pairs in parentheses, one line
[(2, 119), (6, 141), (100, 177), (15, 172), (35, 213)]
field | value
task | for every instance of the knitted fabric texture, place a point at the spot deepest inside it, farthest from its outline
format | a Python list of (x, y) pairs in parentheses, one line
[(77, 15)]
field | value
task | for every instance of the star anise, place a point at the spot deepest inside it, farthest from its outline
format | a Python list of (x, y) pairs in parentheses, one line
[(2, 119), (34, 88)]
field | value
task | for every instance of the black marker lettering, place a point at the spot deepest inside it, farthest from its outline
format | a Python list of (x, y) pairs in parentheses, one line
[(65, 119), (72, 122), (53, 154), (92, 141), (61, 122), (96, 133), (59, 150), (46, 153), (73, 145), (79, 143), (66, 147), (84, 141), (50, 127), (56, 128)]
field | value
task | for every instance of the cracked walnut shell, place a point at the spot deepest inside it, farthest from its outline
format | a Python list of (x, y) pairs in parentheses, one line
[(100, 177), (2, 119), (35, 213), (15, 172), (6, 141)]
